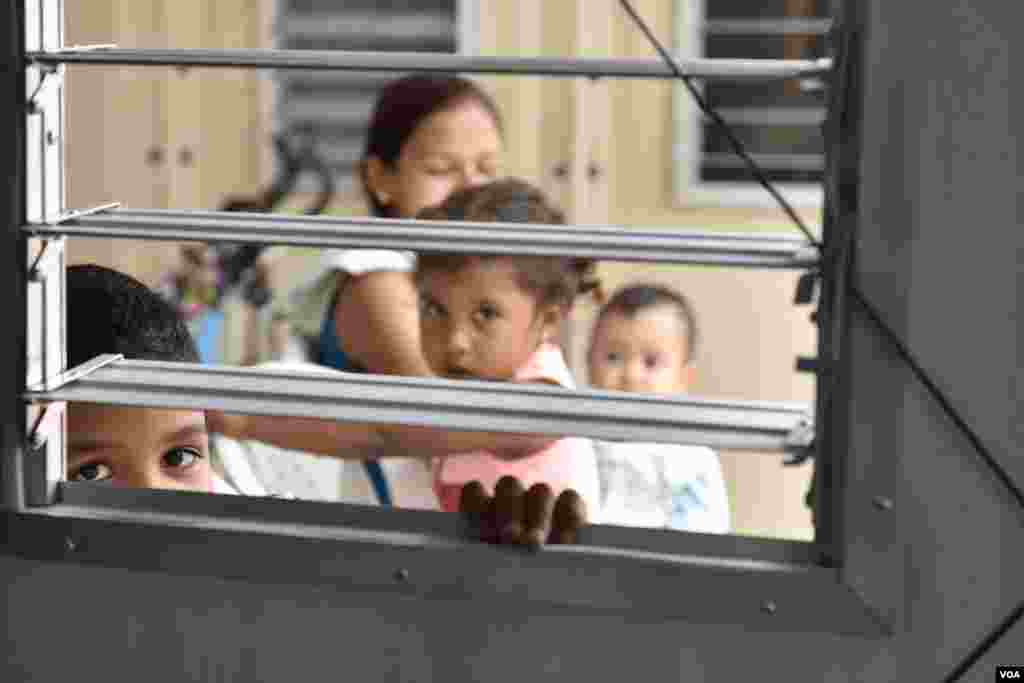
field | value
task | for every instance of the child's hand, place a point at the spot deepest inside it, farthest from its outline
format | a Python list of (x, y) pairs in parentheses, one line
[(515, 516)]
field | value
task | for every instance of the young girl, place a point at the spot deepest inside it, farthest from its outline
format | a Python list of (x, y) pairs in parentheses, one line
[(497, 318), (429, 136)]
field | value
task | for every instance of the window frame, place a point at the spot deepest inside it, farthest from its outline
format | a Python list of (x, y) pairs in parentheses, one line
[(760, 583), (688, 190)]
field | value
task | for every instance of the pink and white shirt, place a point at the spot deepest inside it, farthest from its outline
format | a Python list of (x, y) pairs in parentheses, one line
[(569, 462)]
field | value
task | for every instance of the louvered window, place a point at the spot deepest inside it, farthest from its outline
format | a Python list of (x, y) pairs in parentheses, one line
[(779, 122), (335, 106)]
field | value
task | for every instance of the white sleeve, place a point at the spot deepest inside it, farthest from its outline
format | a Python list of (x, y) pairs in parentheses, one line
[(309, 302), (361, 261)]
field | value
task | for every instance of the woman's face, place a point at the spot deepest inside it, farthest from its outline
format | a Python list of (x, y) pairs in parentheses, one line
[(449, 150)]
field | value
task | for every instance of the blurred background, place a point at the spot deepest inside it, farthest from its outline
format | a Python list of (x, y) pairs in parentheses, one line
[(617, 152)]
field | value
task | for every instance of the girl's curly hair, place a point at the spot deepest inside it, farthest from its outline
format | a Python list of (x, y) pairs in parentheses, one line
[(550, 279)]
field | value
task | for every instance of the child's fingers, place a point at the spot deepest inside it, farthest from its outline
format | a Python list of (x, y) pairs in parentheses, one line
[(474, 506), (569, 515), (508, 510), (537, 511)]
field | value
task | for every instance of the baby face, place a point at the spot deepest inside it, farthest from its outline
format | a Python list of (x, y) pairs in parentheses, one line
[(478, 322), (642, 353), (138, 447)]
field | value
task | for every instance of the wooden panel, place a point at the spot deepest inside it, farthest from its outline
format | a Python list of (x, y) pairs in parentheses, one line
[(115, 139), (517, 29)]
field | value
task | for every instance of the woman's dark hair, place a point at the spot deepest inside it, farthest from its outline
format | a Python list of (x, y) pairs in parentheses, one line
[(402, 106), (110, 312), (632, 300), (550, 279)]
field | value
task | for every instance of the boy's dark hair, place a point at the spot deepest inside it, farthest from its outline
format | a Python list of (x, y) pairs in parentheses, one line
[(402, 106), (110, 312), (550, 279), (633, 299)]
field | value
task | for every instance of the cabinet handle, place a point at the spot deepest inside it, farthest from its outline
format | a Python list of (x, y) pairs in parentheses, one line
[(154, 155)]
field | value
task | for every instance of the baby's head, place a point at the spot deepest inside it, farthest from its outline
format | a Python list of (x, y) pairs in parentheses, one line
[(484, 315), (644, 340), (109, 312)]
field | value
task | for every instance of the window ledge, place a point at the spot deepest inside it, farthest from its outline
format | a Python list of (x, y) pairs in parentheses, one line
[(762, 583)]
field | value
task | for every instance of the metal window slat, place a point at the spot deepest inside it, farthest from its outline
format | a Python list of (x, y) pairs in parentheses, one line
[(762, 250), (725, 69), (775, 26), (796, 162), (386, 27), (451, 404), (772, 116)]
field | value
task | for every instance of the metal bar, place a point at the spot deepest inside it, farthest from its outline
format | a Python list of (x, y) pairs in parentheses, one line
[(447, 404), (781, 26), (763, 250), (56, 381), (775, 162), (13, 254), (764, 584), (712, 69)]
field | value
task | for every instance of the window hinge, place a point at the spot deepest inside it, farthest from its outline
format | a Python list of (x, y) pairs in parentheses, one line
[(799, 444)]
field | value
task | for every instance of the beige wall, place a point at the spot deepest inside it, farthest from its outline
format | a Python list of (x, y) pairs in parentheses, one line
[(751, 331), (154, 137)]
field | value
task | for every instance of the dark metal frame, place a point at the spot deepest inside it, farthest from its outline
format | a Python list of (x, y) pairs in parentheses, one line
[(760, 583)]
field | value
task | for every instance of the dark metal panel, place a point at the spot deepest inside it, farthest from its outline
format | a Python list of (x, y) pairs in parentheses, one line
[(948, 522), (1007, 649), (202, 629), (971, 265), (945, 139), (675, 578), (937, 193), (13, 261)]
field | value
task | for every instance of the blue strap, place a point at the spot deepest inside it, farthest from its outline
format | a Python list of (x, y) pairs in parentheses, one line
[(380, 483), (331, 355)]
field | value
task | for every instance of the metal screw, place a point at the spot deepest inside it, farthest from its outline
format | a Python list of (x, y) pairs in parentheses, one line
[(70, 545), (883, 503), (401, 575), (769, 607), (51, 137)]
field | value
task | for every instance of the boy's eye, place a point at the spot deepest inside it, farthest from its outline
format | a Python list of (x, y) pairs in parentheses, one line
[(652, 361), (182, 458), (613, 357), (93, 471)]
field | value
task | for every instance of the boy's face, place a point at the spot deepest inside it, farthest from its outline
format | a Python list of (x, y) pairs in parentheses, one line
[(477, 322), (644, 353), (139, 447)]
